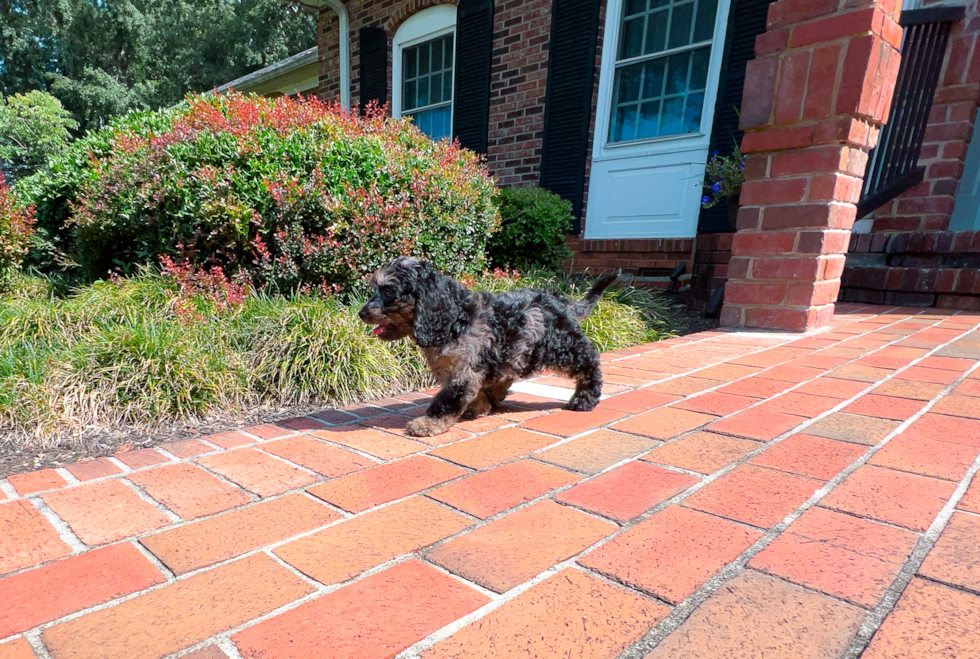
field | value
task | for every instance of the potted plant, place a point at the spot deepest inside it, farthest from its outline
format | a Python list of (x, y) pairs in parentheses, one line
[(723, 178)]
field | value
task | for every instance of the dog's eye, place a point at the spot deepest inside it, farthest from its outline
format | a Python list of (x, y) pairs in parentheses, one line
[(387, 295)]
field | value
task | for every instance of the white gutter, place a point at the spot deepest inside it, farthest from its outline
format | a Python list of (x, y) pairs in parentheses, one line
[(344, 43)]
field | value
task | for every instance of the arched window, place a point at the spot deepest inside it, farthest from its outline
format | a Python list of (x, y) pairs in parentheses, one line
[(423, 59)]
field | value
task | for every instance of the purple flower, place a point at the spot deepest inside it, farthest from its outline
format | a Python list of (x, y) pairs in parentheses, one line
[(714, 153), (716, 187), (705, 199)]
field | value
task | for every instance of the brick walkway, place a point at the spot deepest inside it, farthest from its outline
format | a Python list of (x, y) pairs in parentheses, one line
[(736, 495)]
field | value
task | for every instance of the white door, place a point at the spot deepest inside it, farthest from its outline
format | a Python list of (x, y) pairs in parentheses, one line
[(658, 81)]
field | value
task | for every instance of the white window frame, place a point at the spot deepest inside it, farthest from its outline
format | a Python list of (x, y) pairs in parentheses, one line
[(422, 26)]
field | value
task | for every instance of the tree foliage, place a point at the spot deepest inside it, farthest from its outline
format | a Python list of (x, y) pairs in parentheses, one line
[(33, 128), (103, 58)]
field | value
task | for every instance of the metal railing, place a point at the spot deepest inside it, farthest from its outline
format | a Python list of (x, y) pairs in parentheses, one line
[(893, 166)]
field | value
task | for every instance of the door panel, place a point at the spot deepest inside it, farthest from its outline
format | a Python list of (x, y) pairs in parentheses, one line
[(657, 210)]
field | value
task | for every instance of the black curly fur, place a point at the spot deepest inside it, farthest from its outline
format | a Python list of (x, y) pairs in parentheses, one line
[(477, 344)]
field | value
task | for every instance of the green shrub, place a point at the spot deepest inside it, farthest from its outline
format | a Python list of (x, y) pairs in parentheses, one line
[(16, 225), (151, 349), (533, 227), (289, 192)]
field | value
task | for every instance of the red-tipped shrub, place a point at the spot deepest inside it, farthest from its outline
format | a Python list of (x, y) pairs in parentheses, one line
[(16, 224), (288, 191)]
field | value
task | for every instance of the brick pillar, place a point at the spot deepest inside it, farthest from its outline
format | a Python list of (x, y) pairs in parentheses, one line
[(815, 96)]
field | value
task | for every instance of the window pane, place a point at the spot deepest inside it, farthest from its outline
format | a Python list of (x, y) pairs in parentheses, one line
[(447, 86), (408, 65), (704, 25), (409, 101), (435, 122), (654, 4), (624, 125), (629, 83), (424, 59), (632, 41), (437, 55), (653, 78), (423, 92), (649, 118), (699, 68), (672, 119), (680, 25), (692, 112), (677, 73), (435, 88), (448, 61), (656, 31)]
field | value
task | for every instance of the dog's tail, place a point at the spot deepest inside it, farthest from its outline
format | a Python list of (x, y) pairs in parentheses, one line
[(583, 307)]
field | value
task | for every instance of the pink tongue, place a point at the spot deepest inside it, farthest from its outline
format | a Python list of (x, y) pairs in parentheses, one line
[(377, 331)]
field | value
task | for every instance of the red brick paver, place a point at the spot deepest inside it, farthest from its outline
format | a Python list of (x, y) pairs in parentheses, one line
[(257, 472), (179, 614), (345, 550), (673, 553), (337, 535), (104, 512), (26, 537), (513, 549), (367, 489), (18, 648), (627, 491), (703, 452), (73, 584), (930, 621), (759, 616), (754, 495), (188, 491), (490, 492), (234, 533), (375, 618), (607, 619), (36, 481)]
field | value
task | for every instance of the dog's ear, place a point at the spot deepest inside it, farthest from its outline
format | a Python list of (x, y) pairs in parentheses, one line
[(438, 307)]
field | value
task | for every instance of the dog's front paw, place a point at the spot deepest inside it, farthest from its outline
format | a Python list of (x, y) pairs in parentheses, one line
[(581, 404), (427, 426)]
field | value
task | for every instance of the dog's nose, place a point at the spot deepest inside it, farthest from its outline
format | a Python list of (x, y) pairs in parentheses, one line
[(362, 313)]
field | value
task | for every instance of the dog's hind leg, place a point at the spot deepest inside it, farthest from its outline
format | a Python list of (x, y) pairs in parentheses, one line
[(446, 407), (480, 406), (498, 392), (588, 382)]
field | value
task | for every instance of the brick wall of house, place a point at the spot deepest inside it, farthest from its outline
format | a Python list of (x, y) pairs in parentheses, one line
[(712, 252), (328, 41), (929, 205), (518, 82), (914, 268), (649, 259)]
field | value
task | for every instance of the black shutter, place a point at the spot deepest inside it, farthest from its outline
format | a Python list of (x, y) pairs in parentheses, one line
[(471, 92), (746, 21), (373, 44), (568, 108)]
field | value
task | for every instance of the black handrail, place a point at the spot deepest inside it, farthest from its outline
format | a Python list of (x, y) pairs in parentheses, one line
[(893, 165)]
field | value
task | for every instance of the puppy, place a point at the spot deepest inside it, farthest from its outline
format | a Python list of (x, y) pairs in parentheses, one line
[(477, 344)]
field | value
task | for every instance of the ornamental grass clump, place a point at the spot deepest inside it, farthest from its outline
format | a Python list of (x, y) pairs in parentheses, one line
[(286, 192), (193, 346)]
